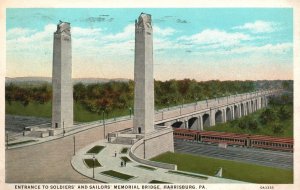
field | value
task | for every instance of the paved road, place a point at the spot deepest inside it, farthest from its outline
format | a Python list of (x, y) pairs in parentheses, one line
[(46, 163), (50, 162), (255, 156)]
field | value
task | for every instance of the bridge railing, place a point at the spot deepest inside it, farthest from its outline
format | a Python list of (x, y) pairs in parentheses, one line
[(133, 155), (183, 109)]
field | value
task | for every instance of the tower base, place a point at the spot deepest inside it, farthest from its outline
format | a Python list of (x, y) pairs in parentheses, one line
[(156, 143)]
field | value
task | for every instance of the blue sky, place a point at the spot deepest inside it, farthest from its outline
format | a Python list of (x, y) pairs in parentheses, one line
[(204, 44)]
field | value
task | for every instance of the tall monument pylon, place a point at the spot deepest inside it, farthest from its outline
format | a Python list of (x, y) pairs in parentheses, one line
[(143, 121), (62, 87)]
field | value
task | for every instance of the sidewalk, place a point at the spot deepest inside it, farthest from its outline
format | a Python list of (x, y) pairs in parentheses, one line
[(20, 141), (109, 162)]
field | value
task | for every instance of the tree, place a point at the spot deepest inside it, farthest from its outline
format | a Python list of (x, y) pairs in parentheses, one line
[(253, 124), (242, 124), (277, 128), (267, 116), (79, 93), (9, 93), (248, 123), (284, 113), (287, 85)]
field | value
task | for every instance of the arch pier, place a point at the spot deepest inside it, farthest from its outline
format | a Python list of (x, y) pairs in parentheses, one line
[(196, 116)]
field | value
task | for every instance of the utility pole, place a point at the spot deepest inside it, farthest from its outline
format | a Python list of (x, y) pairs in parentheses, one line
[(103, 123), (74, 144), (6, 140)]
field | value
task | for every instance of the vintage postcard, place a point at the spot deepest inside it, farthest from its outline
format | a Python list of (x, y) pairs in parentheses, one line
[(187, 95)]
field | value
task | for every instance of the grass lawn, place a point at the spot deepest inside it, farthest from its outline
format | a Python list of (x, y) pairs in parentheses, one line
[(45, 110), (89, 163), (32, 109), (21, 142), (231, 169), (83, 115), (117, 174), (124, 150), (231, 126), (95, 150), (187, 174), (125, 159), (146, 167), (157, 181)]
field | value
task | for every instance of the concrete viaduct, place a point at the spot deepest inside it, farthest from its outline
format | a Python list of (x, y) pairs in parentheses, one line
[(211, 112)]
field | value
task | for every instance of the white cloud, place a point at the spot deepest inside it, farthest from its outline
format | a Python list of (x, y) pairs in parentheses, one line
[(79, 32), (94, 41), (37, 37), (17, 32), (163, 31), (127, 33), (215, 38), (258, 26), (97, 47), (279, 49)]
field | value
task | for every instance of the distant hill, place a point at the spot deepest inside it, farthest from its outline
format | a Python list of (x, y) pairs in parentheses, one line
[(259, 84), (263, 84), (38, 80)]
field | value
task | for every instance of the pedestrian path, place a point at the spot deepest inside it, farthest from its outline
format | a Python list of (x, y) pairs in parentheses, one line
[(23, 141), (109, 161)]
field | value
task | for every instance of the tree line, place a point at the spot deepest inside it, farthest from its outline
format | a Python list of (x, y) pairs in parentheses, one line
[(26, 94), (120, 95), (280, 109)]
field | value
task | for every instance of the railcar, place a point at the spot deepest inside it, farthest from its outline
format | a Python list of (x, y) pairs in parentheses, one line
[(244, 140)]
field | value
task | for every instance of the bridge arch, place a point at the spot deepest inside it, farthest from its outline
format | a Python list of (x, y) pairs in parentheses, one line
[(178, 124), (252, 106), (219, 117), (267, 100), (193, 123), (206, 120), (228, 114), (236, 111), (256, 105), (242, 110), (247, 108)]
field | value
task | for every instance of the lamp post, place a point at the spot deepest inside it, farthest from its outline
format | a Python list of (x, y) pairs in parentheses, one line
[(130, 112), (63, 128), (227, 98), (235, 96), (74, 144), (103, 123), (6, 140), (93, 166), (223, 96), (216, 98)]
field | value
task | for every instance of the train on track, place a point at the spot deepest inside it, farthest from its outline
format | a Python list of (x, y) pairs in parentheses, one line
[(245, 140)]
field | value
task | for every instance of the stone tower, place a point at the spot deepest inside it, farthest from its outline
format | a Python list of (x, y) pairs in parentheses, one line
[(143, 121), (62, 87)]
